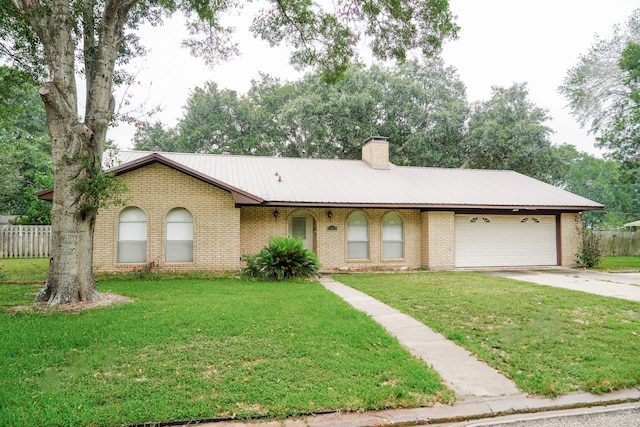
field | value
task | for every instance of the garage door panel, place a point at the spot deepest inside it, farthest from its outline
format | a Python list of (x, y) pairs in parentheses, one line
[(504, 241)]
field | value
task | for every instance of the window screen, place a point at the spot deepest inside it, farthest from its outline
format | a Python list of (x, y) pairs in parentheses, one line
[(179, 234), (392, 236), (357, 237), (132, 236)]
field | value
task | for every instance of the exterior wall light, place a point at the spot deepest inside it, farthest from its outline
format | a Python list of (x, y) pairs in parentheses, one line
[(329, 214), (276, 214)]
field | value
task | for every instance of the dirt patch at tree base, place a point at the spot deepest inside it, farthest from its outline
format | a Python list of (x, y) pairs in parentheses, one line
[(105, 299)]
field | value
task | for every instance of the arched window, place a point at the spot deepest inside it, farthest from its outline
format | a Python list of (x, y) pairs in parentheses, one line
[(179, 247), (132, 236), (357, 236), (392, 236)]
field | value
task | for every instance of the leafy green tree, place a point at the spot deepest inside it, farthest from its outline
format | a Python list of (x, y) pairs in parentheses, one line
[(602, 181), (602, 91), (328, 121), (509, 132), (154, 137), (420, 106), (25, 159), (621, 135), (422, 110), (55, 35), (220, 122)]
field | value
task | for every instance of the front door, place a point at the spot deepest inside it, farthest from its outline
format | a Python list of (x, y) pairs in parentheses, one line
[(301, 227)]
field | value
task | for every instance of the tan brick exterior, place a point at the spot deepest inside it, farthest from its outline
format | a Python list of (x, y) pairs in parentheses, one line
[(224, 232), (570, 235), (438, 237), (156, 189)]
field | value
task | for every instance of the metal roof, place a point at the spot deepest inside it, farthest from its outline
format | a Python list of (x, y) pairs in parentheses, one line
[(321, 182)]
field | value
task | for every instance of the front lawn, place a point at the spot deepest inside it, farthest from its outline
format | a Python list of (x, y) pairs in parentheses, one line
[(619, 263), (23, 270), (200, 349), (549, 340)]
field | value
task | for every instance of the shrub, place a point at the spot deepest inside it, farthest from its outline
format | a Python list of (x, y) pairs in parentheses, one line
[(282, 258), (589, 254)]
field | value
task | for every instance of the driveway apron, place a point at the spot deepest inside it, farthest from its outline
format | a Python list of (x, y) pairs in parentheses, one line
[(618, 285), (459, 369)]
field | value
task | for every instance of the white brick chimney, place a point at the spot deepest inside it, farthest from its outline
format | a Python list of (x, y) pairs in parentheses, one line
[(375, 152)]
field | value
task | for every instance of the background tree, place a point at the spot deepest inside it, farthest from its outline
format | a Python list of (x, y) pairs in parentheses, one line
[(621, 135), (420, 106), (602, 181), (600, 91), (509, 132), (422, 110), (25, 159), (329, 121), (154, 137), (52, 35)]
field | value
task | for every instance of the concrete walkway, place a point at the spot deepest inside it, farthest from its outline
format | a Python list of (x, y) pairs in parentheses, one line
[(459, 369), (618, 285)]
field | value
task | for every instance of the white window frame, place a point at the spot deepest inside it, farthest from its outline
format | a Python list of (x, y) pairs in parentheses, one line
[(357, 236), (179, 231), (390, 238), (132, 236)]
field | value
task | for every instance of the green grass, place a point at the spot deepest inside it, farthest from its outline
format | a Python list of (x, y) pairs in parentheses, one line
[(549, 340), (23, 270), (613, 263), (194, 349)]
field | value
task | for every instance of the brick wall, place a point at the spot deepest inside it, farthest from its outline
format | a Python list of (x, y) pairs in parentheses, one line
[(156, 189), (438, 238), (570, 235)]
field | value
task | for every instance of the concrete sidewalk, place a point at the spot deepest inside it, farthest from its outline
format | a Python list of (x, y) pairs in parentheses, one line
[(459, 369)]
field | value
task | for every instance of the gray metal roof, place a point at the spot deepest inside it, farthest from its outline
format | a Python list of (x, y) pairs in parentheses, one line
[(320, 182)]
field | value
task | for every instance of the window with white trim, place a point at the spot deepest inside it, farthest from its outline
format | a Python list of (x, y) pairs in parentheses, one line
[(179, 235), (132, 236), (392, 236), (357, 236)]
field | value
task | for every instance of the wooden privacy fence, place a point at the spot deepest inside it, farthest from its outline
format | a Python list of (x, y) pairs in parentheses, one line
[(621, 243), (25, 241)]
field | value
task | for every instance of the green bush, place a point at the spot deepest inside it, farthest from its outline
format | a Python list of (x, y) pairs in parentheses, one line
[(282, 258), (589, 253)]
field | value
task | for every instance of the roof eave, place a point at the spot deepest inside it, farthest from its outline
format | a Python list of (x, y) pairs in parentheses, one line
[(432, 206)]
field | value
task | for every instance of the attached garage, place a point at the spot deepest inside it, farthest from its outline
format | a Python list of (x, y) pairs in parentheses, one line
[(505, 240)]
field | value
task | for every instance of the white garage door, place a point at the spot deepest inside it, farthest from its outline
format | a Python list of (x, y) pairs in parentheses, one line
[(505, 241)]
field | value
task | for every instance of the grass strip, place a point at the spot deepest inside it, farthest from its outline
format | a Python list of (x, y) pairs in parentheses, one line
[(549, 340), (200, 349), (619, 263), (23, 270)]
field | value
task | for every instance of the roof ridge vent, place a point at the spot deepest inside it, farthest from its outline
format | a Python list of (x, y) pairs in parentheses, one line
[(375, 152)]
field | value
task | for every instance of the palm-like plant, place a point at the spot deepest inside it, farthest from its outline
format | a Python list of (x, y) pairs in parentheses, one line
[(282, 258)]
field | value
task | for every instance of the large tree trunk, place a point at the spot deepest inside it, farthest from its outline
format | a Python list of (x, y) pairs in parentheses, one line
[(70, 271), (71, 268), (76, 146)]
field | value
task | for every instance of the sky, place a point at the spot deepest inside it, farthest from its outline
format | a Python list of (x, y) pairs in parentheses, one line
[(501, 42)]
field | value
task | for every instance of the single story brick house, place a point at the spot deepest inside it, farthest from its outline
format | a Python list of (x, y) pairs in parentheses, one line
[(203, 212)]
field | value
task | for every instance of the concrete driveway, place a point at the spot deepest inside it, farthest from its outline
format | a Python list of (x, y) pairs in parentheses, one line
[(618, 285)]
